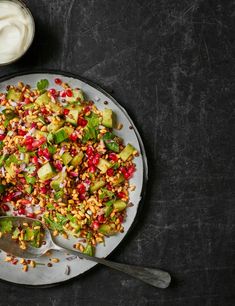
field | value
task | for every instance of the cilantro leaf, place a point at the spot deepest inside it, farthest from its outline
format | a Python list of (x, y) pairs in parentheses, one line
[(42, 84), (11, 159), (6, 226)]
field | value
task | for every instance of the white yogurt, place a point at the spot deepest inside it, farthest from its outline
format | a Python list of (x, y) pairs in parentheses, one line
[(16, 30)]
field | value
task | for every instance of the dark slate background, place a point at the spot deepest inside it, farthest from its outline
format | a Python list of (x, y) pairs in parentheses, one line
[(171, 65)]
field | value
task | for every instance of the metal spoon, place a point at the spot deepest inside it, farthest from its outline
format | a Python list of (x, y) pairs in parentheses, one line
[(154, 277)]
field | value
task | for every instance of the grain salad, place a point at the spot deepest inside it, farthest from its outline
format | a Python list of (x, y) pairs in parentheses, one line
[(62, 163)]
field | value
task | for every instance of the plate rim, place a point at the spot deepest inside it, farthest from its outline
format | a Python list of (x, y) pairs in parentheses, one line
[(141, 144)]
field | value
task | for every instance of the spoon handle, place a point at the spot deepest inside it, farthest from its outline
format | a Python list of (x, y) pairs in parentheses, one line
[(152, 276)]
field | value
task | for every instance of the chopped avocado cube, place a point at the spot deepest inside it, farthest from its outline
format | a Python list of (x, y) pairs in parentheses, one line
[(107, 118), (63, 134), (44, 99), (73, 114), (55, 185), (89, 250), (119, 205), (77, 159), (127, 152), (76, 97), (14, 94), (55, 125), (39, 134), (46, 172), (29, 189), (10, 170), (66, 158), (97, 185), (103, 165), (108, 211), (3, 158), (106, 229)]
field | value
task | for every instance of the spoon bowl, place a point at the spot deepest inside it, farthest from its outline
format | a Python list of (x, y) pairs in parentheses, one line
[(155, 277)]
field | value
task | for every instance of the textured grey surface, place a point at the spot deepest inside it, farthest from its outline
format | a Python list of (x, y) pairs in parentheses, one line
[(171, 65)]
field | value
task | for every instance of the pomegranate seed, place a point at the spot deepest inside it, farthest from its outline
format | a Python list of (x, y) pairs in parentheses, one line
[(126, 175), (23, 181), (2, 136), (5, 207), (87, 109), (121, 195), (69, 93), (46, 153), (73, 137), (35, 160), (123, 170), (73, 173), (96, 159), (25, 113), (82, 197), (29, 140), (21, 211), (44, 111), (14, 261), (101, 219), (89, 151), (33, 125), (131, 169), (121, 218), (108, 186), (21, 132), (58, 165), (43, 190), (30, 215), (29, 147), (92, 169), (113, 157), (66, 111), (82, 122), (110, 172), (81, 188), (95, 225), (27, 101), (73, 152), (24, 202), (63, 94), (90, 162), (58, 81), (40, 151), (52, 91)]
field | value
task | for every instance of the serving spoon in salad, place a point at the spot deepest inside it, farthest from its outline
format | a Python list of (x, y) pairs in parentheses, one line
[(155, 277)]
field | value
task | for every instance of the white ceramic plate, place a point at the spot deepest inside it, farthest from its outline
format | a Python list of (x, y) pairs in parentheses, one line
[(42, 274)]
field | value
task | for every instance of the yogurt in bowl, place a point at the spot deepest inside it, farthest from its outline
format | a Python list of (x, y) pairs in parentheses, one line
[(16, 30)]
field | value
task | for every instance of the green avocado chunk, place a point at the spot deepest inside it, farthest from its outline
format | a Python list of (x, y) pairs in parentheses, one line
[(97, 185), (127, 152), (76, 97), (66, 158), (73, 114), (63, 134), (77, 159), (103, 165), (107, 118), (106, 229), (55, 125), (14, 94), (46, 172), (44, 99), (119, 205)]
